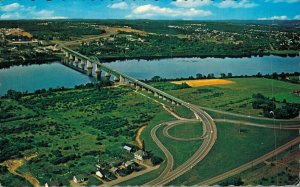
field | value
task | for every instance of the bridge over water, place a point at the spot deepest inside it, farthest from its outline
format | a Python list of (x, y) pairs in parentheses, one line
[(89, 65)]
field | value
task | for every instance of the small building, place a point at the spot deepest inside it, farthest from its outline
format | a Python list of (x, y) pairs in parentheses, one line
[(99, 174), (80, 178), (139, 155), (129, 163), (51, 183), (127, 148), (114, 170)]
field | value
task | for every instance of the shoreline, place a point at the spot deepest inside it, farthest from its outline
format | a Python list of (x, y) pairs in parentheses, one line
[(113, 59), (121, 59)]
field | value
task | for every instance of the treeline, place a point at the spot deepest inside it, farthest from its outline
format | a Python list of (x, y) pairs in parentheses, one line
[(16, 95), (278, 76), (268, 106)]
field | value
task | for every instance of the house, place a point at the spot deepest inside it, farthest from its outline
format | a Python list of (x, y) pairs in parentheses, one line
[(80, 178), (139, 155), (127, 148), (129, 163), (114, 170), (99, 174), (51, 183)]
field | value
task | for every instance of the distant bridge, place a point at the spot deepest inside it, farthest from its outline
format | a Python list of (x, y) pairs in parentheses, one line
[(84, 64)]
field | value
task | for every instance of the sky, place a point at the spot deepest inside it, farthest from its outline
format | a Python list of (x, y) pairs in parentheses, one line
[(151, 9)]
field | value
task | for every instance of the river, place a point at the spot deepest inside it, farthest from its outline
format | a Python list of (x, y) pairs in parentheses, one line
[(33, 77)]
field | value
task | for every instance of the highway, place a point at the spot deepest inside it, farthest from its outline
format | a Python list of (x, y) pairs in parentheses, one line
[(249, 165), (297, 119), (202, 151)]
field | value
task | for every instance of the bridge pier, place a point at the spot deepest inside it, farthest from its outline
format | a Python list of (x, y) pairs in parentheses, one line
[(122, 79), (76, 61), (107, 76), (155, 94), (98, 73), (89, 68), (82, 64), (173, 103), (137, 87), (143, 89), (116, 79), (164, 98), (160, 96)]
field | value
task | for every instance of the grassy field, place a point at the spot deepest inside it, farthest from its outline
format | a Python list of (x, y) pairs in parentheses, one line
[(181, 150), (74, 129), (187, 130), (232, 149), (234, 97)]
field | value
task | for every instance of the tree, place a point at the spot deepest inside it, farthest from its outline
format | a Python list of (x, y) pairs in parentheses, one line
[(143, 145), (223, 75), (156, 160), (229, 75), (210, 76), (199, 76), (259, 74)]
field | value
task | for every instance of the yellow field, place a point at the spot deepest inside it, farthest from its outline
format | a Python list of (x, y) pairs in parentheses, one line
[(204, 82)]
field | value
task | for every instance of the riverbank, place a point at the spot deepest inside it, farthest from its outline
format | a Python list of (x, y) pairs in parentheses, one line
[(159, 57), (109, 59)]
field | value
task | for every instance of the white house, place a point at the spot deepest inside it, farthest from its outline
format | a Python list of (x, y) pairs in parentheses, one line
[(139, 155), (127, 148), (99, 174)]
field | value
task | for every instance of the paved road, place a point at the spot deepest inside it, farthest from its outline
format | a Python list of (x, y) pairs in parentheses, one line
[(203, 150), (169, 126), (270, 126), (249, 165), (250, 117)]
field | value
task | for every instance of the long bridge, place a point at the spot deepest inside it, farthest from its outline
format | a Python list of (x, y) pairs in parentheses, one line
[(92, 65)]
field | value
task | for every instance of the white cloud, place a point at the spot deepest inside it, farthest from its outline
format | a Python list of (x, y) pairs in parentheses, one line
[(275, 18), (10, 7), (10, 16), (45, 14), (191, 3), (121, 5), (297, 17), (236, 4), (150, 11), (283, 1), (17, 11)]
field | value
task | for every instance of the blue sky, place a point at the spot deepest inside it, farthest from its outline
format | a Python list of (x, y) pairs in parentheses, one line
[(151, 9)]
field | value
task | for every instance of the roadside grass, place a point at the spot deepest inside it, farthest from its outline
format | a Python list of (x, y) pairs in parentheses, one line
[(233, 149), (181, 150), (187, 130), (182, 111), (234, 97)]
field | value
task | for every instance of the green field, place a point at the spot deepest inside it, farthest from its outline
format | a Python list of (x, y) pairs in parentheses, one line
[(71, 130), (235, 97), (187, 130), (233, 149), (181, 150)]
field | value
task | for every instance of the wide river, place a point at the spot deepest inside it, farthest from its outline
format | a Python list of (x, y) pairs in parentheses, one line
[(33, 77)]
